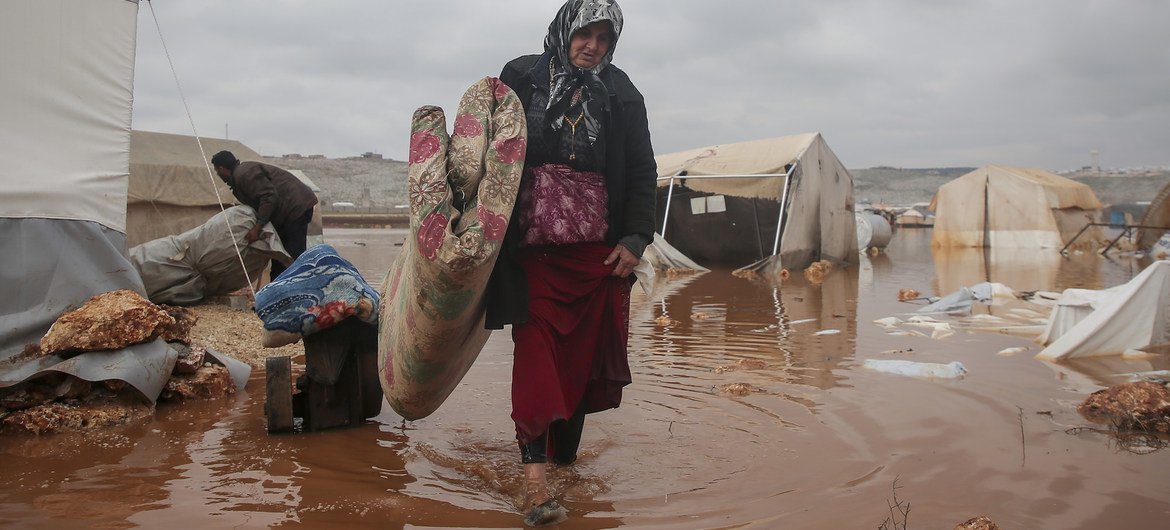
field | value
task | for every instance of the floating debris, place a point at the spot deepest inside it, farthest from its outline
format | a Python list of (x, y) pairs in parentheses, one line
[(815, 273), (827, 332), (907, 294), (746, 274), (665, 321), (750, 364), (982, 522), (1008, 352), (701, 316), (952, 370), (1140, 406), (739, 389)]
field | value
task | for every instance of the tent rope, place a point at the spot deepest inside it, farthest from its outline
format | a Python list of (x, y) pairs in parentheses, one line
[(203, 154)]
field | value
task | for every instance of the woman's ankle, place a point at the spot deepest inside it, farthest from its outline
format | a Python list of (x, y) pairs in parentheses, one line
[(535, 485)]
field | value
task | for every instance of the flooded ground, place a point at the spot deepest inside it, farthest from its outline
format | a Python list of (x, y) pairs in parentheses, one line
[(748, 408)]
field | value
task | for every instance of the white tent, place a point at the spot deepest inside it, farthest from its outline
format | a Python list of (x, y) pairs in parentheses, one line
[(1001, 206), (66, 77), (734, 196), (1133, 316)]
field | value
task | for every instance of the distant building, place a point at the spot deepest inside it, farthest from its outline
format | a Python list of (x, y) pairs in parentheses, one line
[(370, 154)]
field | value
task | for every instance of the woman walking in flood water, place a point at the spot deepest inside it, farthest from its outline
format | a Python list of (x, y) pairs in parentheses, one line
[(584, 215)]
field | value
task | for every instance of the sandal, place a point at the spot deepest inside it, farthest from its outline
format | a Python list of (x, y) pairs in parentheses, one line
[(546, 513)]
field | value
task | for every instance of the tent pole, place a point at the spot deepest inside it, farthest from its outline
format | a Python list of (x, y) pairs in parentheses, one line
[(666, 211), (783, 210)]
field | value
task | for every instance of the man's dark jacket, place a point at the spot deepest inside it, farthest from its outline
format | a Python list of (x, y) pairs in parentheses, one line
[(277, 195), (630, 173)]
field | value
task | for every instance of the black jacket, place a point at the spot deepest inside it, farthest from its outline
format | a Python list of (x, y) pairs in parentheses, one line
[(630, 173), (277, 195)]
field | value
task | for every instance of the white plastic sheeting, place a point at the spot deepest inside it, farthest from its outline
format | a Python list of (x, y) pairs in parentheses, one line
[(961, 300), (951, 370), (1136, 316), (1070, 309)]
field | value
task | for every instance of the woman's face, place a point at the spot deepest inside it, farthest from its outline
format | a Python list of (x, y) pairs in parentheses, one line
[(588, 45)]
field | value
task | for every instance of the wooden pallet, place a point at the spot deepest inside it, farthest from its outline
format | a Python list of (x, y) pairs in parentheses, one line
[(340, 387)]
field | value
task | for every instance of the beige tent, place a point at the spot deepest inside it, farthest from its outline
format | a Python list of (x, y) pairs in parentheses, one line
[(1001, 206), (171, 190), (1157, 214), (727, 207), (170, 187)]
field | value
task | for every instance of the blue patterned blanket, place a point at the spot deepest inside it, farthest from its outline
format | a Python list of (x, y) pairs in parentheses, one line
[(319, 290)]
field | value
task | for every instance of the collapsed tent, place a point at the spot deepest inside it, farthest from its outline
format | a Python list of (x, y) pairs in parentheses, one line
[(1134, 316), (203, 261), (69, 73), (738, 203), (1001, 206), (172, 189), (1156, 214)]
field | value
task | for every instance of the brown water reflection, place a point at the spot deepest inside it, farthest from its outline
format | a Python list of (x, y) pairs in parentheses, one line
[(816, 442)]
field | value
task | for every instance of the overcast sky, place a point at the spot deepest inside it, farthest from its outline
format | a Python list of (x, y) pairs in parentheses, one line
[(907, 83)]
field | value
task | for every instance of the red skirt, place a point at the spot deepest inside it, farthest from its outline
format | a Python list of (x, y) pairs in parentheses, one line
[(572, 350)]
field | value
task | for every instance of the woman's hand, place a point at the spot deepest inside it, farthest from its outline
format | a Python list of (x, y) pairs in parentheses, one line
[(624, 259)]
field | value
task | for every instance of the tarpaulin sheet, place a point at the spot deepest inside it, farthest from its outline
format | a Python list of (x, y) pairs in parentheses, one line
[(202, 262)]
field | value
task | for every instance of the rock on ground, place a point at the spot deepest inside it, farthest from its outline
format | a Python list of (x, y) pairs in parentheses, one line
[(209, 382), (180, 331), (108, 321), (75, 415)]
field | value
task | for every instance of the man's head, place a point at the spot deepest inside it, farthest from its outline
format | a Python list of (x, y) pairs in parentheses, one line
[(225, 162)]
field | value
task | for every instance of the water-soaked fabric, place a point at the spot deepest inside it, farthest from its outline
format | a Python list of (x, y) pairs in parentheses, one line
[(318, 291), (462, 190), (572, 350), (559, 206)]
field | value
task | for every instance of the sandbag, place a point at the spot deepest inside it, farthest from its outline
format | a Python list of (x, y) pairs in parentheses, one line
[(462, 190)]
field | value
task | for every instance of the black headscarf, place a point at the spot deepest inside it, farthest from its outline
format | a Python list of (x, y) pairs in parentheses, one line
[(566, 78)]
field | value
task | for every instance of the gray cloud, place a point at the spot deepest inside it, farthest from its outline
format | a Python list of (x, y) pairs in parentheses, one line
[(901, 82)]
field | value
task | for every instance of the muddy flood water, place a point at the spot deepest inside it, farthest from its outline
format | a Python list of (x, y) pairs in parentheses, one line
[(749, 408)]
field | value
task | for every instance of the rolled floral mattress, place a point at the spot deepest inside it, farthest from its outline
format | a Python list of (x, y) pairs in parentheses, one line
[(462, 190)]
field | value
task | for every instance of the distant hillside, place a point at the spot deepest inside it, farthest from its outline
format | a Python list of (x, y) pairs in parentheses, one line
[(368, 183), (900, 186), (379, 184)]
